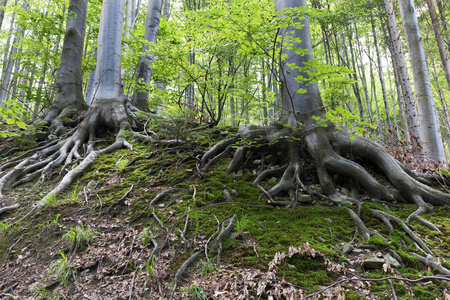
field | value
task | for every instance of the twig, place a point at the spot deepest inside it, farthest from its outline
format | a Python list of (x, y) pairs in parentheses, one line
[(161, 195), (225, 232), (124, 196), (377, 279)]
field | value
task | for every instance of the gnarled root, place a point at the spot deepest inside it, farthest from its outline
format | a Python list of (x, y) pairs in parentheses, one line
[(285, 153), (111, 116)]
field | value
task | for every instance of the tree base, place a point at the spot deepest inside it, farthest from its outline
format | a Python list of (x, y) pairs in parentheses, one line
[(110, 117), (283, 152)]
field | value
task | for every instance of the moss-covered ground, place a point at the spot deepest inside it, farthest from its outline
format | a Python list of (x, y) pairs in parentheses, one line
[(116, 263)]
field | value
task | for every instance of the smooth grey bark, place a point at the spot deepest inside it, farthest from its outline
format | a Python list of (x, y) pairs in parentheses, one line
[(108, 71), (444, 22), (6, 76), (297, 106), (439, 40), (381, 76), (355, 86), (441, 96), (429, 122), (68, 87), (401, 104), (90, 88), (140, 95), (2, 11), (363, 76), (400, 64), (166, 10)]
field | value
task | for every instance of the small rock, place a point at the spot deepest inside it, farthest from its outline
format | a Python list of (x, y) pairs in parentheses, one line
[(347, 248), (392, 261), (234, 193), (238, 175), (371, 261), (321, 238), (257, 162), (305, 199), (328, 220)]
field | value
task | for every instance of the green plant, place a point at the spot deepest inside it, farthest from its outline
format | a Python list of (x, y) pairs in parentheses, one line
[(79, 236), (194, 216), (149, 268), (52, 200), (146, 236), (61, 269), (196, 292), (73, 197), (242, 223), (4, 227), (207, 267)]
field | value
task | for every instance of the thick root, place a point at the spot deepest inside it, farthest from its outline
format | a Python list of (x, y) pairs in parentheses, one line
[(112, 116)]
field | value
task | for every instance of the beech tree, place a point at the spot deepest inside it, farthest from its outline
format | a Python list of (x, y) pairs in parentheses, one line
[(429, 124), (69, 92), (109, 111), (140, 95), (304, 134)]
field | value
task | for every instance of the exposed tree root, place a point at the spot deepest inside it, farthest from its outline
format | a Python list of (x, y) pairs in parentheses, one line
[(432, 263), (287, 154), (100, 119), (284, 152), (227, 227), (8, 208)]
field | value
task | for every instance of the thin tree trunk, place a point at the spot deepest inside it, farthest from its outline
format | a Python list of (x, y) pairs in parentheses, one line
[(441, 96), (7, 72), (140, 95), (429, 129), (439, 40), (2, 11), (400, 64), (363, 76), (356, 85), (381, 75)]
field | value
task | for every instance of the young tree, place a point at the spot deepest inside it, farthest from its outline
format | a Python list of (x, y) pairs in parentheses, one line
[(304, 131), (140, 95), (430, 132), (402, 72)]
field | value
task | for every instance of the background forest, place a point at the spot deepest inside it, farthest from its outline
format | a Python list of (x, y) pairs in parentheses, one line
[(214, 62), (174, 216)]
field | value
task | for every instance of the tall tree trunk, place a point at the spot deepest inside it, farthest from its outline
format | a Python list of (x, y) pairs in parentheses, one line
[(444, 22), (441, 96), (363, 76), (401, 104), (400, 64), (297, 106), (429, 129), (140, 95), (109, 85), (166, 10), (6, 76), (68, 84), (355, 86), (2, 11), (439, 40), (381, 76)]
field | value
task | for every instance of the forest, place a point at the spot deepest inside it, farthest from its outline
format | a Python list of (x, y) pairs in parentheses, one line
[(217, 149)]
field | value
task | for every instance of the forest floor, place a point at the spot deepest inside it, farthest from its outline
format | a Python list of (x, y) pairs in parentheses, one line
[(96, 241)]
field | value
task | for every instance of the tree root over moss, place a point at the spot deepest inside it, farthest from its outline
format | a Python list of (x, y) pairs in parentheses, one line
[(99, 120), (290, 155)]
